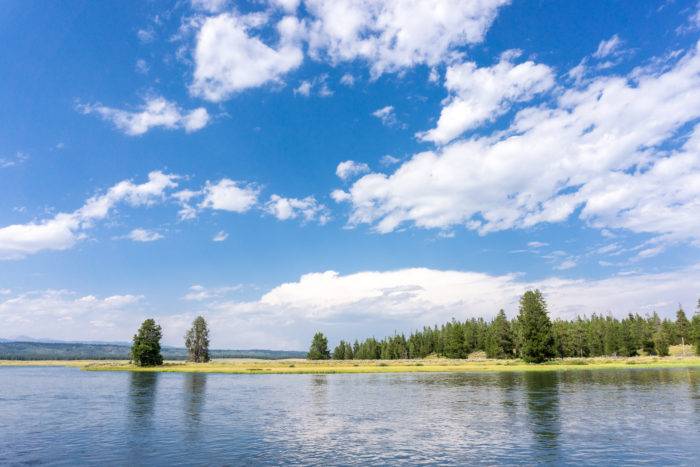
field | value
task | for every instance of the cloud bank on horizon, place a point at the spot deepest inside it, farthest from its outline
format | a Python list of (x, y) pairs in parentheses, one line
[(438, 159)]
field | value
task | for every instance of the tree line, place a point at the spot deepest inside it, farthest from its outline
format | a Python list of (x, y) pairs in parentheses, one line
[(146, 351), (531, 336)]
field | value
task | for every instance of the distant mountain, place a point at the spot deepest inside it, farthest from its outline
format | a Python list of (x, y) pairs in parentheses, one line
[(59, 341), (40, 350)]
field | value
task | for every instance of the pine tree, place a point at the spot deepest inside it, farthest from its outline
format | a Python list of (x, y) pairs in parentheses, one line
[(339, 351), (662, 339), (696, 330), (197, 341), (145, 350), (628, 343), (500, 338), (538, 343), (682, 327), (319, 348), (454, 340)]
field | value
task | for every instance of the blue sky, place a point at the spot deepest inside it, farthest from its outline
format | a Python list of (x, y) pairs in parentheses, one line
[(358, 167)]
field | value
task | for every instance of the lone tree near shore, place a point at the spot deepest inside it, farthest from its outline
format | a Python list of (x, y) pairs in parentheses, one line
[(536, 328), (145, 350), (319, 348), (197, 341)]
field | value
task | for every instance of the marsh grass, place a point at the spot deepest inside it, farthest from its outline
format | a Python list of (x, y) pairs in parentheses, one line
[(300, 366)]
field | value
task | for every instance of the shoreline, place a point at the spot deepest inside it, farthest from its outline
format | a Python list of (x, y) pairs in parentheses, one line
[(301, 366)]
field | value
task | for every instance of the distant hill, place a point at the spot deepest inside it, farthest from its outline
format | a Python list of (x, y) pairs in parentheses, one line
[(12, 350)]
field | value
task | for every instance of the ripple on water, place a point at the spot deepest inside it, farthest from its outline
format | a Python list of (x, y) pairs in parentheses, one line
[(63, 416)]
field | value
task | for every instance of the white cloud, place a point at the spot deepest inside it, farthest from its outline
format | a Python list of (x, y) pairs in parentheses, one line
[(304, 88), (291, 208), (339, 196), (220, 236), (229, 195), (386, 115), (596, 148), (199, 292), (350, 169), (155, 112), (608, 47), (344, 306), (290, 6), (228, 59), (145, 35), (62, 314), (479, 95), (566, 264), (434, 75), (388, 160), (379, 302), (320, 83), (18, 159), (537, 244), (396, 34), (144, 235), (210, 6), (65, 229), (348, 80), (142, 67)]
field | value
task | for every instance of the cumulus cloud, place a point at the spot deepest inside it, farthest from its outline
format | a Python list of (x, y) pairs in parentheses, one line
[(345, 305), (63, 314), (229, 58), (387, 115), (319, 85), (350, 169), (144, 235), (479, 95), (229, 195), (596, 148), (380, 302), (396, 34), (65, 229), (291, 208), (154, 112), (348, 80)]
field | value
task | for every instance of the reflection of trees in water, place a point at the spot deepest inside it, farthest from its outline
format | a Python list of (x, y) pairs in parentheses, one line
[(542, 401), (143, 387), (142, 398), (508, 382), (693, 377), (319, 392), (195, 395)]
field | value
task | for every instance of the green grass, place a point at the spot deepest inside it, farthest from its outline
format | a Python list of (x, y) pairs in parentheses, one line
[(300, 366)]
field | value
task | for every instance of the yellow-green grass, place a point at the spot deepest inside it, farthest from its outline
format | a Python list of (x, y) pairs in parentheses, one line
[(300, 366)]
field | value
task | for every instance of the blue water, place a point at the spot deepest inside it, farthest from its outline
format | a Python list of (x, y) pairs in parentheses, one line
[(64, 416)]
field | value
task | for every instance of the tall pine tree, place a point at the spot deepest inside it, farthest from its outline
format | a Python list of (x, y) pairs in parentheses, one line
[(145, 350), (538, 343), (319, 348), (197, 341), (499, 343)]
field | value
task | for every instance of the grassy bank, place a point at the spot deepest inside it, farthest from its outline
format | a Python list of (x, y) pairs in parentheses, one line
[(299, 366)]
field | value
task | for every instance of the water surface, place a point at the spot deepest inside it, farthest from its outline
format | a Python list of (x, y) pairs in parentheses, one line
[(64, 416)]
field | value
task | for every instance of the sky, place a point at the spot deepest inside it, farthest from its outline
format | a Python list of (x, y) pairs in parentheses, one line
[(358, 167)]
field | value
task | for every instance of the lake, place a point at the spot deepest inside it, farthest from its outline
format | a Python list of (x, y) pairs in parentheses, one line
[(64, 416)]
